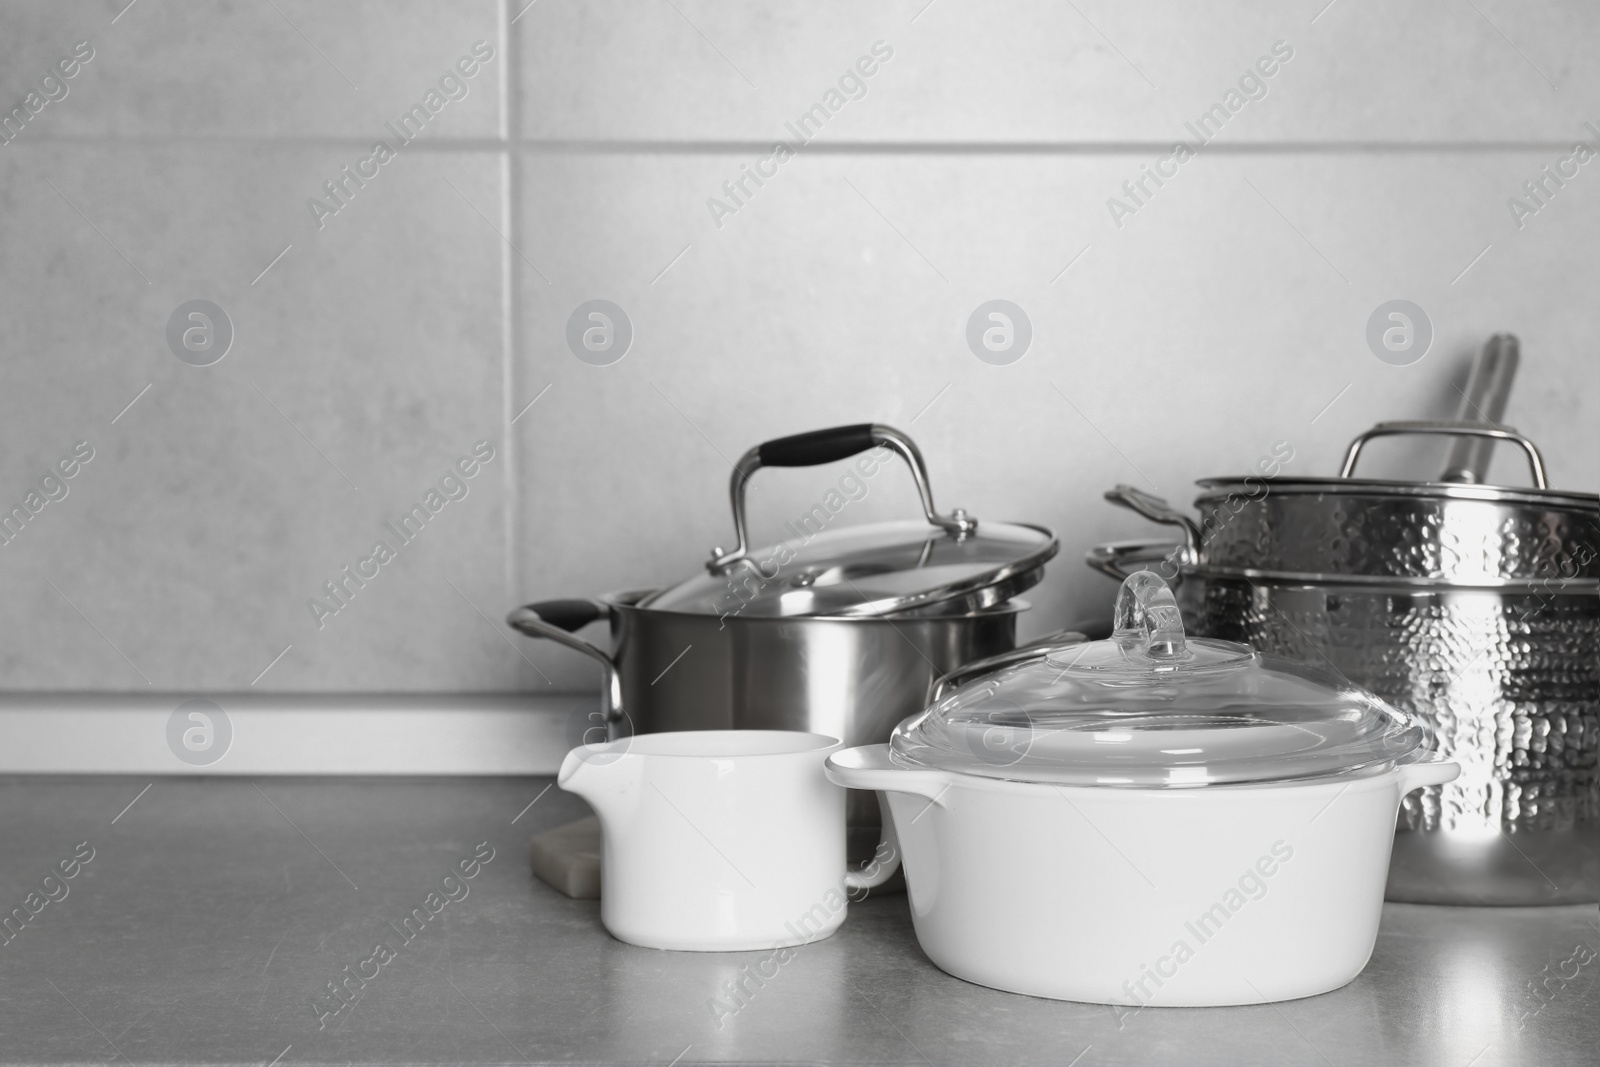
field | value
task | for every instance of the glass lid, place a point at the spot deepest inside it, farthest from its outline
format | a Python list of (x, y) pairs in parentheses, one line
[(1152, 708), (878, 569)]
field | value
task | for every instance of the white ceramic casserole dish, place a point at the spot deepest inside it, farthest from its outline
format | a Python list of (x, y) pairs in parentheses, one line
[(1149, 820)]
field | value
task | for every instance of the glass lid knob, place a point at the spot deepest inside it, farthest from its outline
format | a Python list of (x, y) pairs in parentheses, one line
[(1147, 619)]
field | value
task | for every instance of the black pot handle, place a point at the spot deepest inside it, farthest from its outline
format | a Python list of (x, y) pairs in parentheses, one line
[(570, 614), (826, 446), (555, 620), (816, 446)]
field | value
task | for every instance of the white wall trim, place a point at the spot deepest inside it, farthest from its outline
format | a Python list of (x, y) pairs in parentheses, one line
[(116, 733)]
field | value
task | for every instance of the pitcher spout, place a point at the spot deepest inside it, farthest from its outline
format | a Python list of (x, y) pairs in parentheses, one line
[(598, 773)]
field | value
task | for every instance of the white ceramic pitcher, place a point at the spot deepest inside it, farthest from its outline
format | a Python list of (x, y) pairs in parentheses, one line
[(719, 840)]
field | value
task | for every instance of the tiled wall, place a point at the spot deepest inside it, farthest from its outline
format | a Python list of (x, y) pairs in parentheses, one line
[(372, 351)]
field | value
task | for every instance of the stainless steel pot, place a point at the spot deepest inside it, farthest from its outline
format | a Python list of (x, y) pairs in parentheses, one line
[(1474, 606), (845, 676), (837, 631)]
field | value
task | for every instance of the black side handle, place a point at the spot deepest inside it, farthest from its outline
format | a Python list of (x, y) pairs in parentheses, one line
[(817, 446), (569, 615)]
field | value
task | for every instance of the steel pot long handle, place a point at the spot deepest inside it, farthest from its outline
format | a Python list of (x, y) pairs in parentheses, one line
[(555, 620), (1488, 391), (826, 446), (1447, 428)]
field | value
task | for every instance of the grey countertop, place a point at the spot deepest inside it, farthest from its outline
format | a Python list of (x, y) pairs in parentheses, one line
[(214, 912)]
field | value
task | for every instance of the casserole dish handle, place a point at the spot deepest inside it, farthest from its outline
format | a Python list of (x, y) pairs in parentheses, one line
[(1431, 770), (869, 767)]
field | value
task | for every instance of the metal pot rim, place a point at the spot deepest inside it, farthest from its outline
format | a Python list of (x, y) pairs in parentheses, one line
[(1219, 488), (629, 600), (1398, 584)]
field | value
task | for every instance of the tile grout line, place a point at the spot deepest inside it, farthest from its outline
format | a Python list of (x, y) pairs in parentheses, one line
[(508, 296), (1084, 147), (508, 141)]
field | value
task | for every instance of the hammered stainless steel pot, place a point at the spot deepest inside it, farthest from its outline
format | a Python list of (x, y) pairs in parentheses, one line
[(1476, 607), (838, 631)]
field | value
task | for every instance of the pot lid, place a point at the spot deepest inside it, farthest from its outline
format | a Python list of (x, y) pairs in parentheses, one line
[(876, 569), (1453, 484), (1152, 708)]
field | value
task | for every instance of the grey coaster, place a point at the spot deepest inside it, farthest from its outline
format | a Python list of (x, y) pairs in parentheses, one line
[(567, 859)]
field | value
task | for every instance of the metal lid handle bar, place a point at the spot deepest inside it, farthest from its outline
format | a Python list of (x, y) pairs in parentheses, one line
[(827, 446), (1446, 428)]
